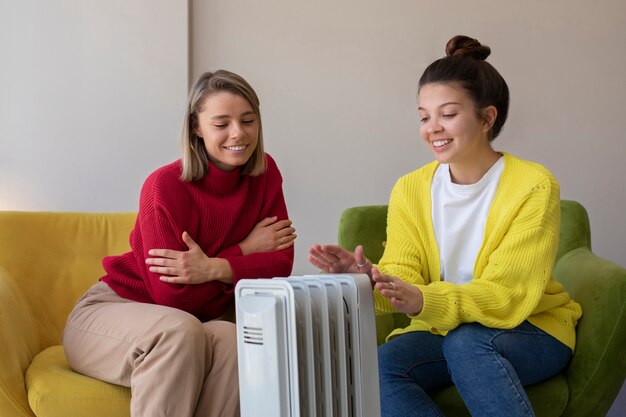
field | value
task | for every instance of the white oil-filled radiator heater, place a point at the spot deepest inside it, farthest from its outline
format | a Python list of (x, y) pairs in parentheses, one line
[(307, 347)]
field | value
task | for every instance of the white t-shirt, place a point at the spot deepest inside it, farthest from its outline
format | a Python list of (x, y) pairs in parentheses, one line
[(459, 217)]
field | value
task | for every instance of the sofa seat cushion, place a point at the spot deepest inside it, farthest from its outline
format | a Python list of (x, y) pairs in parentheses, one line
[(54, 390)]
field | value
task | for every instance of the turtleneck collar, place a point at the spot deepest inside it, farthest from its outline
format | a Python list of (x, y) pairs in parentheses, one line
[(222, 182)]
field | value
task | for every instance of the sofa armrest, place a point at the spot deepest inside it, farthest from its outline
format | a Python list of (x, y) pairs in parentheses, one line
[(598, 366), (19, 343)]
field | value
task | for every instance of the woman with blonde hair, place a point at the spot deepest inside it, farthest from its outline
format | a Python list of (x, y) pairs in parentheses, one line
[(159, 321)]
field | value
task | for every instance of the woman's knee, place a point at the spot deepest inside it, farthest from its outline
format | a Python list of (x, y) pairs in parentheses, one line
[(466, 341), (182, 331), (409, 350), (388, 357), (221, 351), (413, 358), (222, 336)]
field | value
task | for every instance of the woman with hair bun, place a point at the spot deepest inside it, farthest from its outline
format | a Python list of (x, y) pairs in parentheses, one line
[(160, 320), (471, 243)]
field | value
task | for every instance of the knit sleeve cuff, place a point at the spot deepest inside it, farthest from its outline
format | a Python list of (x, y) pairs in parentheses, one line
[(434, 305)]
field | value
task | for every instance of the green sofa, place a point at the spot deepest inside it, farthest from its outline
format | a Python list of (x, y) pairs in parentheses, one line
[(589, 385)]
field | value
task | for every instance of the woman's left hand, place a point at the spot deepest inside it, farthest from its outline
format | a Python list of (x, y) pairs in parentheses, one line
[(404, 298), (188, 267), (269, 235)]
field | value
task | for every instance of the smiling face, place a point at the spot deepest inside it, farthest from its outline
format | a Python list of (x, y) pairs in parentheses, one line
[(230, 129), (451, 126)]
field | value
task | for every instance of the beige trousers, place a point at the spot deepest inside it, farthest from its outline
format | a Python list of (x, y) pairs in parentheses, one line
[(174, 364)]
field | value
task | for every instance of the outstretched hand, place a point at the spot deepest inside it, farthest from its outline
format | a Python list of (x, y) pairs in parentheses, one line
[(188, 267), (335, 259), (403, 297)]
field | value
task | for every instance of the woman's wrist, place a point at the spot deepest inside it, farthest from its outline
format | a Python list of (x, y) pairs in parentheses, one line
[(220, 270), (245, 249)]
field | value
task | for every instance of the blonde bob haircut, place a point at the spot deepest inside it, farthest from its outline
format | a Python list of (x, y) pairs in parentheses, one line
[(195, 159)]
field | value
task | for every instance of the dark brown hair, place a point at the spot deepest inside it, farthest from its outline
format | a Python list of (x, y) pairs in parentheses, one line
[(465, 65)]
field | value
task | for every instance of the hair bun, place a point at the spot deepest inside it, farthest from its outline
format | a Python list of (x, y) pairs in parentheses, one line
[(461, 45)]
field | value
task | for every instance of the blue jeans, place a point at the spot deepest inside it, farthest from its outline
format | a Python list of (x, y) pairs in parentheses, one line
[(489, 368)]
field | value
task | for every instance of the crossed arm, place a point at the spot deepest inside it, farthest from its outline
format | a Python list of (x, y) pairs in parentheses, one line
[(193, 266)]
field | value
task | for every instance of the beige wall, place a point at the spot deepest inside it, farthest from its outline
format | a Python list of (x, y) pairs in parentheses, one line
[(337, 85), (91, 99)]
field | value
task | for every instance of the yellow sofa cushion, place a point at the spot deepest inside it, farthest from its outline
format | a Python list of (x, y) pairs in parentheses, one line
[(19, 343), (47, 261), (54, 257), (54, 390)]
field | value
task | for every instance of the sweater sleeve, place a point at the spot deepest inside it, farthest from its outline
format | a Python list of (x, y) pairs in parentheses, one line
[(266, 264), (511, 273), (161, 224), (403, 256)]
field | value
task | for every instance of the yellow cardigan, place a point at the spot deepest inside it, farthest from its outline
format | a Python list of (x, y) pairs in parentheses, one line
[(512, 279)]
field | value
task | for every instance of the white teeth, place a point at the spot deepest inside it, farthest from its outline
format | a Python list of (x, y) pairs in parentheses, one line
[(439, 143), (236, 148)]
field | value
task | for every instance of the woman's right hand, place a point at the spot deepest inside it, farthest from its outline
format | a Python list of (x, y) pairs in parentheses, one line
[(269, 235), (335, 259)]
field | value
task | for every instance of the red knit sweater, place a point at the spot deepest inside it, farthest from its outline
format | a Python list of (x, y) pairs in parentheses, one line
[(218, 211)]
